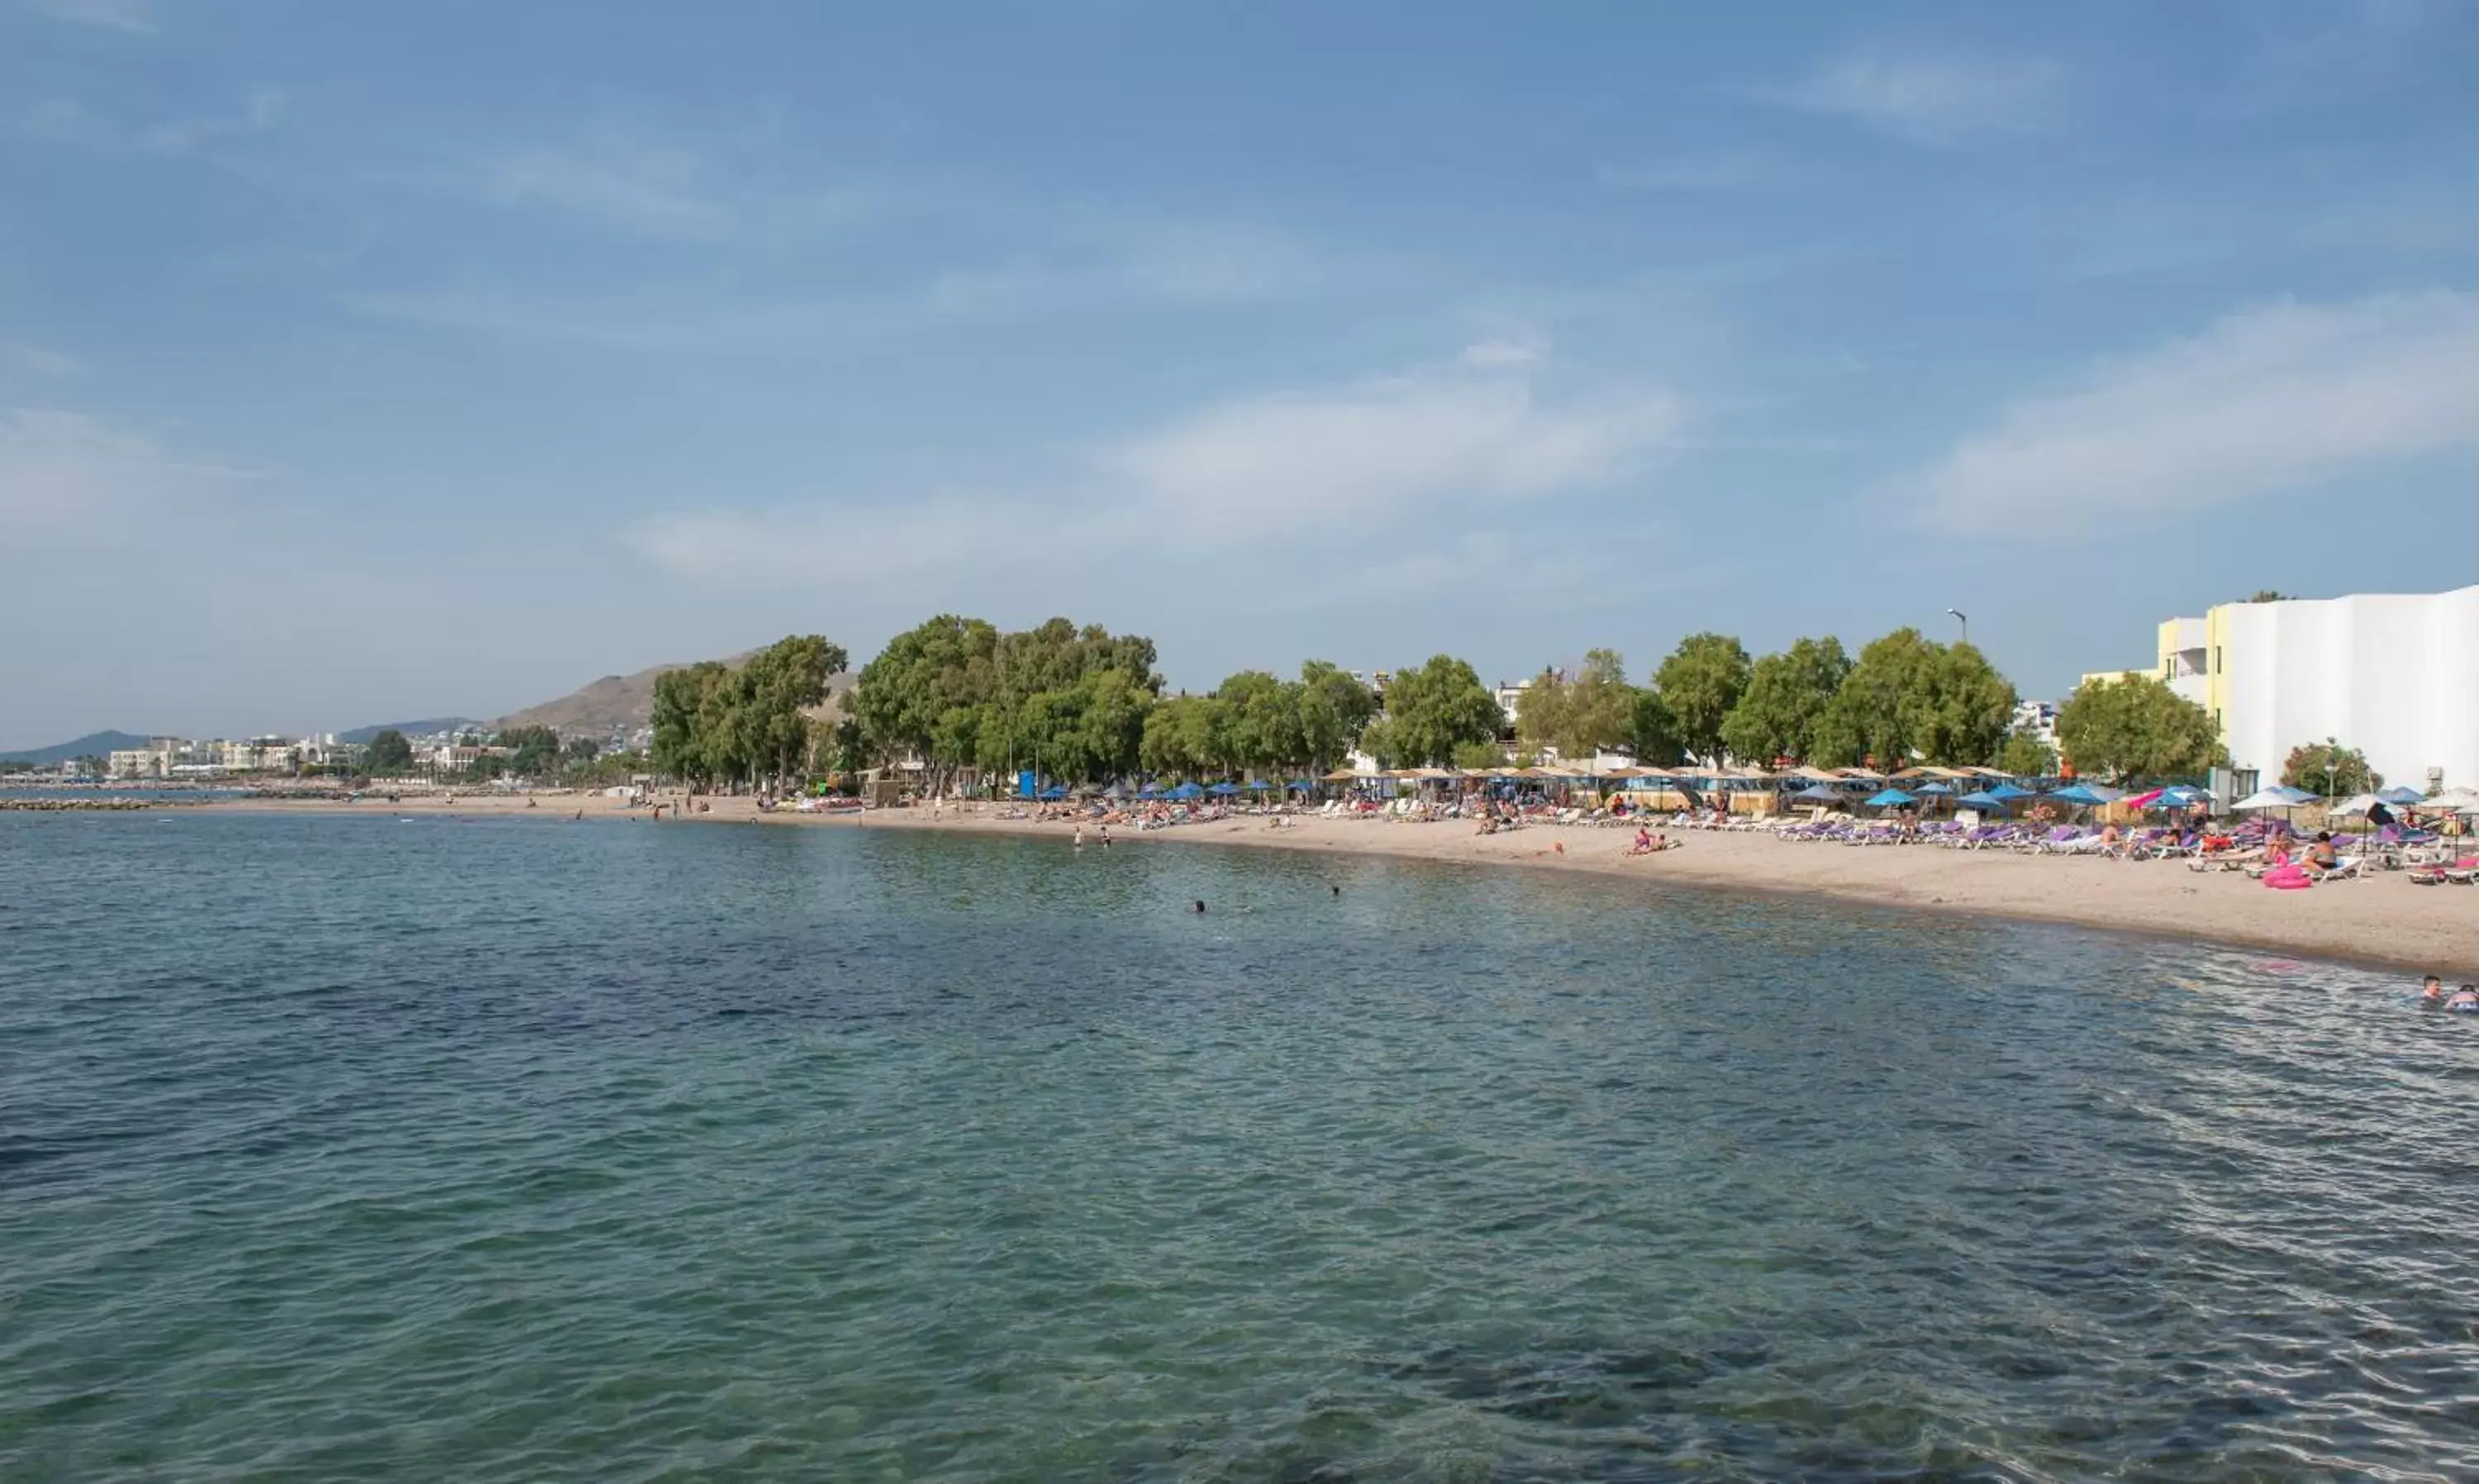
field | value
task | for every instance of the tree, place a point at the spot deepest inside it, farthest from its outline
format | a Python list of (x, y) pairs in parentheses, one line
[(388, 755), (1910, 697), (2330, 769), (1701, 681), (1180, 737), (714, 723), (2025, 756), (1787, 694), (1434, 708), (582, 749), (1479, 755), (1594, 709), (1335, 708), (531, 750), (1653, 733), (2137, 728), (2267, 595)]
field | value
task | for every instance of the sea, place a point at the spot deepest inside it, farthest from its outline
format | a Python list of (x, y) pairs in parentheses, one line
[(362, 1148)]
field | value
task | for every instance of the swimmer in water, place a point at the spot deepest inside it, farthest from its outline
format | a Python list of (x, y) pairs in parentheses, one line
[(1198, 909), (1080, 837), (1338, 891), (2465, 999), (2431, 990)]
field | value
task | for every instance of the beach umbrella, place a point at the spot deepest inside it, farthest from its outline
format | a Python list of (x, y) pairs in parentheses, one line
[(1054, 793), (1818, 793), (2009, 791), (2400, 794), (1890, 798), (2143, 800), (1186, 791), (2456, 800), (2355, 806), (2268, 799), (1301, 785), (1938, 787), (1224, 789), (2092, 794), (1984, 799)]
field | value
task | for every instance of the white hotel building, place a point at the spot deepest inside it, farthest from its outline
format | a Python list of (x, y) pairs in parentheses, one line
[(2394, 675)]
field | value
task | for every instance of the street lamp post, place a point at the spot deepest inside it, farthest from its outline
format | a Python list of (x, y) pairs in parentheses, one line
[(1963, 618)]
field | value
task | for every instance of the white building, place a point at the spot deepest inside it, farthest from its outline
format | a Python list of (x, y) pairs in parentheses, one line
[(2394, 675), (2038, 719)]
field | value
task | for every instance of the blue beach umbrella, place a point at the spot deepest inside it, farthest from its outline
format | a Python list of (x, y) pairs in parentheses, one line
[(1186, 791), (2092, 794), (1938, 787), (2399, 794), (1301, 785), (1819, 793), (2007, 791), (1225, 790), (1889, 798), (1986, 799), (1052, 793)]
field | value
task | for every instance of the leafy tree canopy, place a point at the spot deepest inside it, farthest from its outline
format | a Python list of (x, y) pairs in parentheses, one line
[(2137, 728), (1910, 697), (1701, 681), (1436, 707), (388, 755), (2330, 769), (1787, 698)]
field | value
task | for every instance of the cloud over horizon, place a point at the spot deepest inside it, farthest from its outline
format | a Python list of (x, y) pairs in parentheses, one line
[(2265, 399)]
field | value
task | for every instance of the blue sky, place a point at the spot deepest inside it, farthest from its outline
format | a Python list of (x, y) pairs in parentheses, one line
[(361, 362)]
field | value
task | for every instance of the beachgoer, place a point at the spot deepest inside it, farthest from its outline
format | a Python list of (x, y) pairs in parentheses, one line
[(1080, 837), (1643, 843), (2431, 989), (2321, 855), (1338, 891), (2465, 999), (1198, 909), (1106, 836)]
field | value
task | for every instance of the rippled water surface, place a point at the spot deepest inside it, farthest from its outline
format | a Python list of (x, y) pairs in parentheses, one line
[(359, 1149)]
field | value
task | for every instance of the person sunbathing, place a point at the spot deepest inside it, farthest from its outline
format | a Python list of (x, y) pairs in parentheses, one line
[(1643, 845), (2322, 857)]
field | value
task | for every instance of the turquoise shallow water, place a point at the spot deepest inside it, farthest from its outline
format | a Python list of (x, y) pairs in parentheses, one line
[(513, 1150)]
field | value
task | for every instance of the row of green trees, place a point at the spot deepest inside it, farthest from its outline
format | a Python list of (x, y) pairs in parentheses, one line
[(1905, 696), (961, 696), (746, 724)]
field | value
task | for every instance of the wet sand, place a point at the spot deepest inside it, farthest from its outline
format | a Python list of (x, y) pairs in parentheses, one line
[(2384, 919)]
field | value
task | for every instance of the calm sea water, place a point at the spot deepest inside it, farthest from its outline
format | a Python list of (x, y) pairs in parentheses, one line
[(515, 1150)]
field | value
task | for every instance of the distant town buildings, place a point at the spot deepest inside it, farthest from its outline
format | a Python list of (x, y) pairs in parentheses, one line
[(2037, 719)]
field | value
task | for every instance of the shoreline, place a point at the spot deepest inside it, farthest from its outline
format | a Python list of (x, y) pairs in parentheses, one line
[(2381, 922)]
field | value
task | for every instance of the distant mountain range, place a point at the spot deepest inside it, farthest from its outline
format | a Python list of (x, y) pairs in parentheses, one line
[(94, 743), (613, 703)]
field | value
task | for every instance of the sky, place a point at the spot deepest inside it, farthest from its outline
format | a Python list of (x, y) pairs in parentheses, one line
[(366, 363)]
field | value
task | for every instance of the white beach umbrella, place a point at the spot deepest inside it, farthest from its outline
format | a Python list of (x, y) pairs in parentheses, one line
[(2355, 806), (2266, 799)]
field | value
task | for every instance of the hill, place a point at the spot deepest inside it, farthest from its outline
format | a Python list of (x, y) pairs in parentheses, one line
[(420, 728), (94, 743), (624, 702)]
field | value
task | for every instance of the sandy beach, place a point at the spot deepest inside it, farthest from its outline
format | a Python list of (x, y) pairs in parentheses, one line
[(2384, 919)]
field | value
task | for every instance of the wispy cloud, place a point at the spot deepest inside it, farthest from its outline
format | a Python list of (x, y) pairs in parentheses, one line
[(43, 362), (1723, 172), (65, 471), (133, 16), (2267, 399), (1384, 446), (67, 121), (1933, 96), (635, 184), (263, 111), (1429, 442)]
